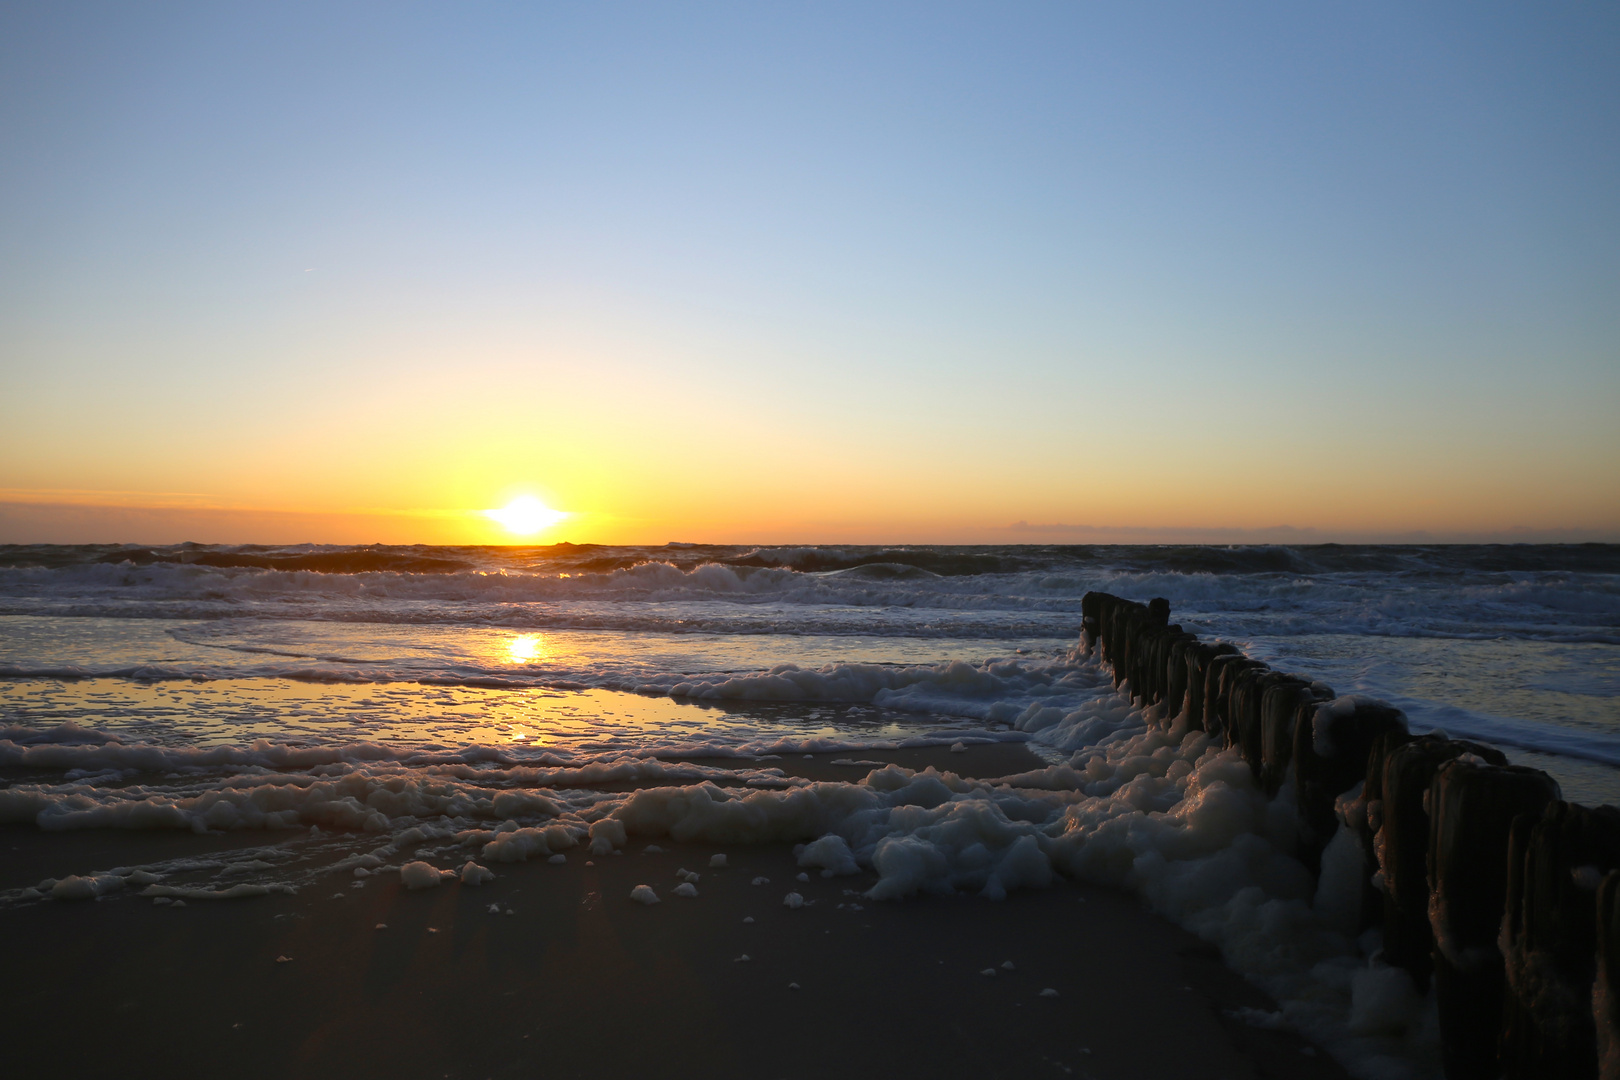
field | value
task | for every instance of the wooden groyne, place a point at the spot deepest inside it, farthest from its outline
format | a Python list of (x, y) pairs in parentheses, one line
[(1487, 887)]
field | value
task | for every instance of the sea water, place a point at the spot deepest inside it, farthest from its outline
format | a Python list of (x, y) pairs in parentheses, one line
[(1519, 645), (506, 703)]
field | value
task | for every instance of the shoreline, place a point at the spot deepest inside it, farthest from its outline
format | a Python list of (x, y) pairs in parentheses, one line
[(582, 981)]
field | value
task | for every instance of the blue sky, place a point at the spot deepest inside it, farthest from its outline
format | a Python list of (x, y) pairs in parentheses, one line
[(810, 272)]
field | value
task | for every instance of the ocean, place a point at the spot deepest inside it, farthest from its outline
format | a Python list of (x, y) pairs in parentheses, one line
[(482, 703), (655, 650)]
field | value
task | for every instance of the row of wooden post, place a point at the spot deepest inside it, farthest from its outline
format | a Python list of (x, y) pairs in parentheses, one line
[(1489, 889)]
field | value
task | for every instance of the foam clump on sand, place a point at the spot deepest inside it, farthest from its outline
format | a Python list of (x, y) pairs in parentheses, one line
[(643, 894), (717, 862), (607, 835), (686, 888), (832, 854), (793, 900), (521, 844), (419, 875), (473, 874), (74, 887)]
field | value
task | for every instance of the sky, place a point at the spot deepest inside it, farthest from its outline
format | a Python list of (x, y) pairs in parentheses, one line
[(775, 273)]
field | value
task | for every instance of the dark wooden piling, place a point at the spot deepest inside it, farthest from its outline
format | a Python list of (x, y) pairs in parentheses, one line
[(1493, 892), (1199, 659), (1606, 984), (1549, 939), (1175, 674), (1404, 847), (1218, 687), (1471, 810), (1330, 749)]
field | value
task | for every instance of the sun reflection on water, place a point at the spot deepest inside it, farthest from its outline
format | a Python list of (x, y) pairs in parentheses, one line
[(526, 648)]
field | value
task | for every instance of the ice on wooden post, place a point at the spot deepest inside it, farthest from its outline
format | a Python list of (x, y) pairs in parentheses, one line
[(1330, 751)]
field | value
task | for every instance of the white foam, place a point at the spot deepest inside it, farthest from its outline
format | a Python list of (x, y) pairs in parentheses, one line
[(419, 875), (832, 854)]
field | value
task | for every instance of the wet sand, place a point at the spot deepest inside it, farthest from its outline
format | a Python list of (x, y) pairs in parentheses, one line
[(580, 981)]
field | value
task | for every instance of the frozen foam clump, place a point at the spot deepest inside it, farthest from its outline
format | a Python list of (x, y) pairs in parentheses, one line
[(906, 864), (793, 900), (558, 859), (717, 862), (74, 887), (686, 888), (643, 894), (473, 874), (182, 893), (832, 854), (519, 845), (419, 875), (606, 835)]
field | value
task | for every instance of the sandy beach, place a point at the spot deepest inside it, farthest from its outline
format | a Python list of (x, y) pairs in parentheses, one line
[(551, 970)]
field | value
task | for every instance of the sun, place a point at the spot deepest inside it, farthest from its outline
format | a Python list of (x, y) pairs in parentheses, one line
[(526, 515)]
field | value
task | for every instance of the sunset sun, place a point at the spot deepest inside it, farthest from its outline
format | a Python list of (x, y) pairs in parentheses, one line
[(526, 515)]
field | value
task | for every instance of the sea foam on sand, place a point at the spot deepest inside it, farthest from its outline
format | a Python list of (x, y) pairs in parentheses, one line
[(1138, 802)]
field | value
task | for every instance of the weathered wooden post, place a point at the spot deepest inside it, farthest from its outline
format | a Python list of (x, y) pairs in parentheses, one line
[(1471, 810), (1363, 816), (1147, 623), (1175, 675), (1403, 846), (1278, 706), (1218, 685), (1549, 938), (1200, 657), (1090, 621), (1606, 986), (1331, 748)]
